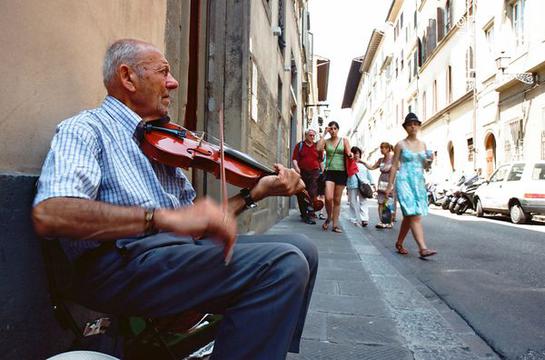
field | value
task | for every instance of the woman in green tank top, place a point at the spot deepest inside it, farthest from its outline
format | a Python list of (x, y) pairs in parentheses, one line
[(335, 173)]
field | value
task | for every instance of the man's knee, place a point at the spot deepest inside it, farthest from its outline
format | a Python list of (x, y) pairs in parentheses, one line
[(293, 265)]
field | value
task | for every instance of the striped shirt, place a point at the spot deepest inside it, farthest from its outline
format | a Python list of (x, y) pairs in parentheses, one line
[(95, 155)]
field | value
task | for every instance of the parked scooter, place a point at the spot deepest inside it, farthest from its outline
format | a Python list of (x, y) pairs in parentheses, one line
[(435, 196), (467, 191), (451, 195)]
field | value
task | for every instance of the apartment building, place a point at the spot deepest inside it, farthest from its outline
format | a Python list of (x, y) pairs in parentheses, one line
[(471, 70)]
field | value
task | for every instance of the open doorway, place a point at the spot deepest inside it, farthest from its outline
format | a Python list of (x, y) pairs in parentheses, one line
[(490, 146)]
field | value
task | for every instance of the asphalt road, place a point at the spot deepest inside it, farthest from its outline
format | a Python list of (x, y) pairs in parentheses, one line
[(491, 272)]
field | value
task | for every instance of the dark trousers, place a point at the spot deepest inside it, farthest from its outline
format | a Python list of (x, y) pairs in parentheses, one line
[(310, 178), (264, 293)]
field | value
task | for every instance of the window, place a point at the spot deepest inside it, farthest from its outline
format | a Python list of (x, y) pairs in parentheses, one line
[(470, 69), (543, 145), (253, 102), (282, 25), (279, 92), (449, 84), (499, 175), (470, 149), (516, 172), (448, 16), (516, 15), (538, 172), (434, 104), (424, 113), (415, 62), (489, 36)]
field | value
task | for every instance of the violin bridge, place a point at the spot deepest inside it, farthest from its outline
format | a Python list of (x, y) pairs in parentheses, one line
[(200, 139)]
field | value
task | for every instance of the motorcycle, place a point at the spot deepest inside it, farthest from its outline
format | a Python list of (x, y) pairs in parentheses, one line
[(451, 195), (435, 196), (467, 192)]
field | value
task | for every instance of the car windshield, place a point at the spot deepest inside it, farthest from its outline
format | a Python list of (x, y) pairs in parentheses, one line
[(539, 172), (499, 175), (516, 172)]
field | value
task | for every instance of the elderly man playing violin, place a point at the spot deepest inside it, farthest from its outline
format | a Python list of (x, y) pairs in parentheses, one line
[(140, 244)]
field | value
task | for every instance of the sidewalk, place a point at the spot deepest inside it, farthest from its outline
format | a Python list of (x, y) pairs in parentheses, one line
[(363, 308)]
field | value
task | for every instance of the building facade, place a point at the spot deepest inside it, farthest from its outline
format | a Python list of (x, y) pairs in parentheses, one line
[(252, 59), (458, 65)]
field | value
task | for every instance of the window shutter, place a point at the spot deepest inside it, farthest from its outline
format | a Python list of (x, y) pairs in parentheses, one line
[(440, 24)]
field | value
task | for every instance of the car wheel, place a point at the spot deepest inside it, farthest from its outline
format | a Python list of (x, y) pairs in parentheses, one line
[(479, 209), (518, 216)]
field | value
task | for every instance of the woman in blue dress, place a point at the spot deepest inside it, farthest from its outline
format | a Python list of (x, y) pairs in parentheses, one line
[(410, 158)]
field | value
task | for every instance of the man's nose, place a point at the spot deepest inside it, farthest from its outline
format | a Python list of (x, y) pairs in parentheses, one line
[(171, 82)]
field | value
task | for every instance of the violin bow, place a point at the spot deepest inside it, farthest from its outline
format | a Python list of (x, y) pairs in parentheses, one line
[(223, 183)]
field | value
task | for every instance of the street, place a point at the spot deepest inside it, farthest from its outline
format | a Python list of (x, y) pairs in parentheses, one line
[(488, 270)]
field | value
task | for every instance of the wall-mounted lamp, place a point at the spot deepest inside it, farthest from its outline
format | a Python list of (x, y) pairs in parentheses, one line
[(502, 62)]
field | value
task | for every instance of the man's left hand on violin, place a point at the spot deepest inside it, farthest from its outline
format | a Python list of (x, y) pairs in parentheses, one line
[(285, 182)]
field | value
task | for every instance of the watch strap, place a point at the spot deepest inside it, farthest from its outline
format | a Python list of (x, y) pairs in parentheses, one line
[(248, 201)]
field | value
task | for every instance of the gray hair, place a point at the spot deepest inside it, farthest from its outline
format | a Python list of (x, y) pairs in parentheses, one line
[(124, 51), (307, 131)]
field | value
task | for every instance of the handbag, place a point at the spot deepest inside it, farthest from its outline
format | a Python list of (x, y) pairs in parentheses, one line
[(350, 165), (365, 189), (382, 186)]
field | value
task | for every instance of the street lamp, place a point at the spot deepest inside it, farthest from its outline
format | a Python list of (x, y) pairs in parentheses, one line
[(502, 62)]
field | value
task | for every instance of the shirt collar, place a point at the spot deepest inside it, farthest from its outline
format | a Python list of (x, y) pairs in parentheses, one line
[(121, 113)]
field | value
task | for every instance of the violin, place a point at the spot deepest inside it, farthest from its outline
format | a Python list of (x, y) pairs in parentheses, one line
[(173, 145)]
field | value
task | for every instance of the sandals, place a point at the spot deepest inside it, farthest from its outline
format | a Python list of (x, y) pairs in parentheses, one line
[(383, 226), (337, 229), (401, 250), (325, 225), (427, 252)]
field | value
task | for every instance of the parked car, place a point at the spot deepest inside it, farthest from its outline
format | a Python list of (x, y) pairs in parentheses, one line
[(516, 189)]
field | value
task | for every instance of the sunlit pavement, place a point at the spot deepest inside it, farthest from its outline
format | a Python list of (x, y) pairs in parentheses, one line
[(363, 308)]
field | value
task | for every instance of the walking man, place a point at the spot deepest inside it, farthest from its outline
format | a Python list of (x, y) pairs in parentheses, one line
[(306, 161)]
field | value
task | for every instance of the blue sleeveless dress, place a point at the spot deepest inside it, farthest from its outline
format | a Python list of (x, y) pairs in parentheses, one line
[(410, 183)]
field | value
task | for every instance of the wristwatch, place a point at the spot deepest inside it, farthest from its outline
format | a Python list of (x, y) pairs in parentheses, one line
[(149, 227), (249, 202)]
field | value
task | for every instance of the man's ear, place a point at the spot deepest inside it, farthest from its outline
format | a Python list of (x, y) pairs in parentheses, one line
[(127, 77)]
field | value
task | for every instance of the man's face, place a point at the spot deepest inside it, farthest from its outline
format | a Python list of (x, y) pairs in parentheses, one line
[(153, 86), (310, 136)]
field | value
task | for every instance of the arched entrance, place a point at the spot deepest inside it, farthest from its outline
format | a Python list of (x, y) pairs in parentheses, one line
[(450, 149), (490, 146)]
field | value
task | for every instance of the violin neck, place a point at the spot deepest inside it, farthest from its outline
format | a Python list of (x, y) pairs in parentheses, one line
[(180, 134)]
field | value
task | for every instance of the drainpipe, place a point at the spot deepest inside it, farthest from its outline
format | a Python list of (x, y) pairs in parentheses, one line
[(190, 121), (474, 115)]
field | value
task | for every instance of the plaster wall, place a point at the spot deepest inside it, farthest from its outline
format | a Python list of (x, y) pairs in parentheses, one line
[(53, 70)]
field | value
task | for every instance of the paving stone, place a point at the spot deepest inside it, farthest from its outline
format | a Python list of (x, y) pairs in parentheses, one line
[(315, 350), (339, 274), (315, 326), (349, 305), (344, 329), (330, 287)]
